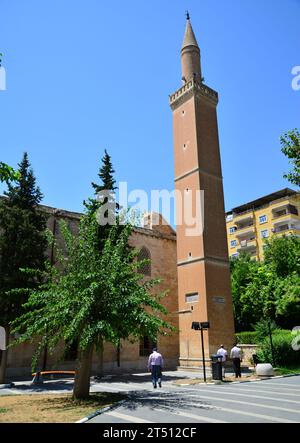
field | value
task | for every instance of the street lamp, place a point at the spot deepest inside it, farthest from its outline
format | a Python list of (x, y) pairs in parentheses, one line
[(201, 326)]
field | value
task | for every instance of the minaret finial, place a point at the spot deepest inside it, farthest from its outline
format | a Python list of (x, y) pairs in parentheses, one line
[(187, 15)]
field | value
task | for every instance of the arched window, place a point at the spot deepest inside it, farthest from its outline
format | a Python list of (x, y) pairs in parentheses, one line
[(144, 254)]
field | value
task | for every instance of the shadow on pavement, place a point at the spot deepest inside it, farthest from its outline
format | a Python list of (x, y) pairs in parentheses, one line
[(138, 379), (58, 385), (168, 401)]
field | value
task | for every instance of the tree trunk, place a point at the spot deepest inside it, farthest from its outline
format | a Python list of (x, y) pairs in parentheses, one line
[(3, 363), (119, 354), (83, 373), (100, 360)]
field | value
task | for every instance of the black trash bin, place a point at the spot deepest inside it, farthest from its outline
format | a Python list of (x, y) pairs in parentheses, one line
[(216, 367)]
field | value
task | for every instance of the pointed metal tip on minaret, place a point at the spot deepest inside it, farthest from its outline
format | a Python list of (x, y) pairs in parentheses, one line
[(189, 36)]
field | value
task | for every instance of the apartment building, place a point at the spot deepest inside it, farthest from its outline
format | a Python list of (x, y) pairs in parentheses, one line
[(249, 225)]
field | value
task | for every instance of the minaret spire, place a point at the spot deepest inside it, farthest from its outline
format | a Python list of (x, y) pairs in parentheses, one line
[(190, 54)]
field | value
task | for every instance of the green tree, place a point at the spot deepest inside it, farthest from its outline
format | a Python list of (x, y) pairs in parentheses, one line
[(22, 244), (93, 296), (282, 254), (103, 205), (242, 273), (269, 289), (104, 200), (287, 299), (290, 146), (7, 173)]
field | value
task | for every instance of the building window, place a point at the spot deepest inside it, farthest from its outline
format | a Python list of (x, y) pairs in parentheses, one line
[(263, 219), (229, 217), (264, 234), (232, 230), (233, 243), (190, 298), (235, 255), (144, 254), (146, 346)]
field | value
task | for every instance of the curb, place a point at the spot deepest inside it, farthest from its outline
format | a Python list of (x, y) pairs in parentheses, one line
[(219, 382), (102, 411), (266, 378), (7, 386)]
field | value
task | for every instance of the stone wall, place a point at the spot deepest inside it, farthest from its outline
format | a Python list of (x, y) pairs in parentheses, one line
[(248, 351)]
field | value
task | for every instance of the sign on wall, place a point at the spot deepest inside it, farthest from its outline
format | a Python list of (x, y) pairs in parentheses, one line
[(219, 300), (2, 339)]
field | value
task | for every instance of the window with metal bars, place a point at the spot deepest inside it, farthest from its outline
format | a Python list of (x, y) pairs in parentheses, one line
[(144, 254)]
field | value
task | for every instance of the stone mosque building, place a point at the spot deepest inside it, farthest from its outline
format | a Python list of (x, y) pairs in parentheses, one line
[(194, 270)]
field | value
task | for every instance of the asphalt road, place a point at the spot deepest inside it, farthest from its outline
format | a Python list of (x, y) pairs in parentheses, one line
[(269, 401)]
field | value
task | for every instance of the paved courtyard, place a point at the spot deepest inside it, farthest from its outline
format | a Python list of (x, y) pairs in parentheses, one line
[(270, 401)]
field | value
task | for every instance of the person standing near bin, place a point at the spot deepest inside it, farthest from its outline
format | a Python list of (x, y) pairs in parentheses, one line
[(236, 356), (155, 364), (223, 353)]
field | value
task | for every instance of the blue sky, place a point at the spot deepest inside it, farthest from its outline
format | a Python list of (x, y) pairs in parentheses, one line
[(87, 75)]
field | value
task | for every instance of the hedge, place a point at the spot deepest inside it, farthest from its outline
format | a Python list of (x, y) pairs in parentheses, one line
[(252, 338), (284, 353), (247, 338)]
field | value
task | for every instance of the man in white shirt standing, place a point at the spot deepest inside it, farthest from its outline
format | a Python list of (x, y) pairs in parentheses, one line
[(222, 351), (236, 356)]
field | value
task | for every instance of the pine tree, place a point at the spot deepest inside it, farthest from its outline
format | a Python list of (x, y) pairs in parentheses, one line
[(22, 243), (104, 197)]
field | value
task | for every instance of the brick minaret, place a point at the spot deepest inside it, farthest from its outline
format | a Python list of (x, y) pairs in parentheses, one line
[(203, 267)]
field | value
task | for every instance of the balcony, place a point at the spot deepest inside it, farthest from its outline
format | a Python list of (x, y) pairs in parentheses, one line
[(247, 246), (286, 228), (285, 210), (244, 219), (245, 231)]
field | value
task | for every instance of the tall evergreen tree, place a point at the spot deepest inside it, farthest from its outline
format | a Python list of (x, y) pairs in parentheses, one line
[(22, 244), (104, 201)]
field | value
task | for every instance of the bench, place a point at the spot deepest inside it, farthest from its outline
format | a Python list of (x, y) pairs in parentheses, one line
[(37, 375)]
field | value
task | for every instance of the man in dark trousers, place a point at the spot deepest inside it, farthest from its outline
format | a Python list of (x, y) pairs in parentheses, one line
[(236, 356), (155, 364)]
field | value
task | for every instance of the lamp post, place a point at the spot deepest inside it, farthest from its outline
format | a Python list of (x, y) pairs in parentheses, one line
[(201, 326), (271, 343)]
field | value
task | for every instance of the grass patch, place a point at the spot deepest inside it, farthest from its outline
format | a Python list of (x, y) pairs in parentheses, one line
[(40, 408), (287, 371)]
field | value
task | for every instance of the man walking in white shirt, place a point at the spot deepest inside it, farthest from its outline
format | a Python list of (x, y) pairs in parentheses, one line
[(236, 356), (155, 364)]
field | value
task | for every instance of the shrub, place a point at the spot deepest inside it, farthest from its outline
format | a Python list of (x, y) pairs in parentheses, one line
[(247, 338), (256, 338), (263, 327), (284, 354)]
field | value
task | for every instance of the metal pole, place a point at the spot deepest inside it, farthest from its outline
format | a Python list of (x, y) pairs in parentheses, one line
[(203, 357), (271, 343)]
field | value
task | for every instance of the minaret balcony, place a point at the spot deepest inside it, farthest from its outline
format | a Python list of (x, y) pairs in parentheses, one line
[(190, 88)]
